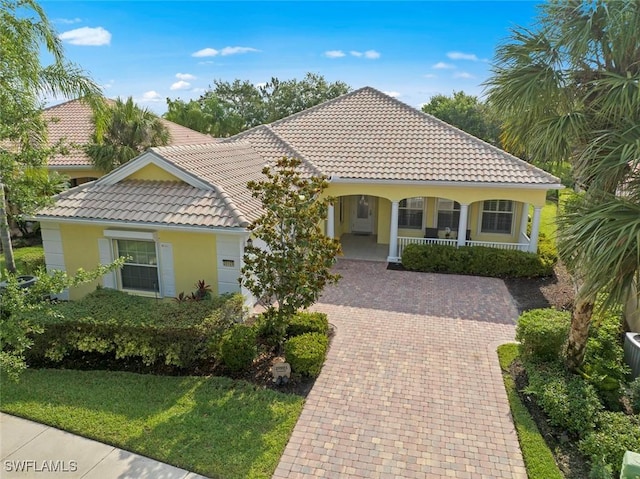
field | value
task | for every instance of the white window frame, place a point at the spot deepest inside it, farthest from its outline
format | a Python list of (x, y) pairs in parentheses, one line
[(121, 287), (497, 211), (449, 206), (405, 208)]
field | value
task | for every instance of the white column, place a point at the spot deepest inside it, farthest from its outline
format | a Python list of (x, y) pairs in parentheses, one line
[(524, 220), (330, 221), (393, 234), (462, 224), (535, 230)]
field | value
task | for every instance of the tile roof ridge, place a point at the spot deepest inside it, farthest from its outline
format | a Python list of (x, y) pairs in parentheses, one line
[(296, 153), (463, 133)]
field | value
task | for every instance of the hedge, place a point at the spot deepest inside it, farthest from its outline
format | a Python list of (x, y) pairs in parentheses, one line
[(475, 260), (307, 322), (306, 353), (109, 321), (238, 347), (542, 333)]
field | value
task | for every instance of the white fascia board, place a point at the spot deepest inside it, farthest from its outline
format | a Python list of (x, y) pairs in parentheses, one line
[(230, 230), (148, 158), (532, 186)]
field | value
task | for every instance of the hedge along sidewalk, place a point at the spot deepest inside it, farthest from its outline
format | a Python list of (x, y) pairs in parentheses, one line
[(538, 458), (214, 426)]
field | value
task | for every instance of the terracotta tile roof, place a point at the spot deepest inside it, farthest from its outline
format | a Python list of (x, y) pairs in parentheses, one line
[(142, 201), (72, 121), (366, 134)]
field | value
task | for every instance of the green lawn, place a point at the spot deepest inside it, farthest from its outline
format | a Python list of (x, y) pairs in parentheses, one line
[(27, 259), (537, 456), (214, 426)]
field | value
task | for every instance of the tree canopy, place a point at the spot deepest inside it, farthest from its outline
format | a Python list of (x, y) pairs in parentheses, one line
[(231, 107), (468, 113), (569, 90)]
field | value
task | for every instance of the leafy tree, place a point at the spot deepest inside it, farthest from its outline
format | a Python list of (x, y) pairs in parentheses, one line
[(123, 132), (232, 107), (24, 33), (568, 91), (295, 266), (19, 306), (468, 113)]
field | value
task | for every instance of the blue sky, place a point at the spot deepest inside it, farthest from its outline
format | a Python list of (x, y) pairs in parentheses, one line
[(412, 50)]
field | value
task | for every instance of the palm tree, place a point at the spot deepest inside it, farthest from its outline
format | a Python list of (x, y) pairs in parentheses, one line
[(127, 131), (24, 81), (568, 90)]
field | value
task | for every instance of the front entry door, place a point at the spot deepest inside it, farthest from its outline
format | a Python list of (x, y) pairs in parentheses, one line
[(362, 214)]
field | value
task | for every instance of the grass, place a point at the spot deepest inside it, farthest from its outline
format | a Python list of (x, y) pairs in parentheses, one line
[(25, 259), (214, 426), (538, 458)]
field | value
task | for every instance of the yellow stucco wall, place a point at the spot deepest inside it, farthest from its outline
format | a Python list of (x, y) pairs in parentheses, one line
[(152, 172), (194, 255)]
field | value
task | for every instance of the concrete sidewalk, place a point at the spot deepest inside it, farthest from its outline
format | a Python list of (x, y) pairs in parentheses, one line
[(32, 450)]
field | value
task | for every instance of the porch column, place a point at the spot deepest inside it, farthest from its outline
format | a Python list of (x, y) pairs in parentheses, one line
[(393, 235), (462, 225), (535, 230), (524, 220), (330, 220)]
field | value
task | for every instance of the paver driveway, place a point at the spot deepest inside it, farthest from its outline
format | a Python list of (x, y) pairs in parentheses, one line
[(411, 386)]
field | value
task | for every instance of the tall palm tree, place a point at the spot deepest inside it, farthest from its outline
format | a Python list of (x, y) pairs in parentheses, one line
[(127, 131), (24, 32), (568, 89)]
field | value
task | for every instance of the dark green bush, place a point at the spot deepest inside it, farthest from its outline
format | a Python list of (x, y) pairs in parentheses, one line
[(634, 394), (109, 321), (569, 401), (238, 347), (270, 330), (307, 322), (615, 433), (475, 260), (306, 353), (542, 333)]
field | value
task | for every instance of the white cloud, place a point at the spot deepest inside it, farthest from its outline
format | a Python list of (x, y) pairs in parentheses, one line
[(205, 52), (180, 85), (237, 50), (443, 66), (151, 95), (67, 21), (185, 76), (334, 54), (355, 53), (462, 56), (430, 75), (463, 75), (87, 36), (393, 94), (372, 54)]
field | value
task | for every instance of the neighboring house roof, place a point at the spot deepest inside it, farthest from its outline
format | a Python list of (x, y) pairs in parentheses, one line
[(72, 121), (212, 191), (366, 134)]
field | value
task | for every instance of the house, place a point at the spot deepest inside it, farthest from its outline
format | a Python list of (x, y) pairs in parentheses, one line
[(397, 175), (72, 123)]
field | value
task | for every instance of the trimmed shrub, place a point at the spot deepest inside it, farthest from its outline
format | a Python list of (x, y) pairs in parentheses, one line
[(238, 347), (306, 353), (109, 321), (307, 322), (634, 395), (568, 401), (542, 333), (475, 260), (615, 433)]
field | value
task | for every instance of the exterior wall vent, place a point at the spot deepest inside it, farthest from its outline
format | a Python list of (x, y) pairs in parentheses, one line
[(632, 353)]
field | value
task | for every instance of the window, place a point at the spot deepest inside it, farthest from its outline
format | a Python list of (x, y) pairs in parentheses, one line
[(410, 213), (448, 214), (140, 271), (497, 216)]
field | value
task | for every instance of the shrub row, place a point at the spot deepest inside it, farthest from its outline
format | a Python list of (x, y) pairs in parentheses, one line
[(475, 260), (109, 321)]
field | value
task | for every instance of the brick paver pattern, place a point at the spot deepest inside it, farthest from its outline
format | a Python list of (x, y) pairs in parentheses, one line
[(411, 387)]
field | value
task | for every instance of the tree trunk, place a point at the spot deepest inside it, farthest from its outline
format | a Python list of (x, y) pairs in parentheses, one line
[(5, 234), (579, 333)]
